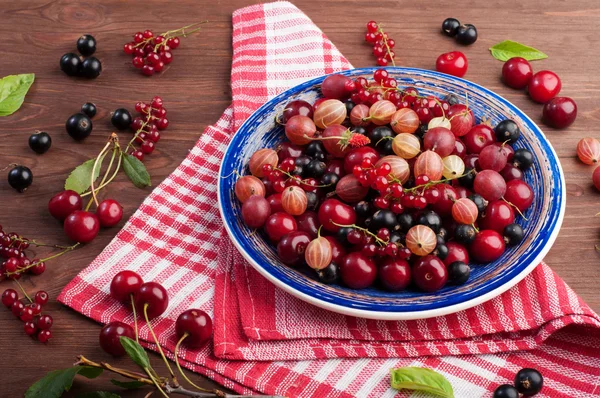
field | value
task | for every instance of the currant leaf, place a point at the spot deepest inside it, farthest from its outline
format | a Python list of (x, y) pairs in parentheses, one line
[(136, 171)]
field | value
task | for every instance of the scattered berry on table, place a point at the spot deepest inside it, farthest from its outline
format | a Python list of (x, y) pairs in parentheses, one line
[(466, 34), (40, 142), (20, 178), (79, 126), (89, 109), (453, 63), (450, 26), (86, 45), (559, 112)]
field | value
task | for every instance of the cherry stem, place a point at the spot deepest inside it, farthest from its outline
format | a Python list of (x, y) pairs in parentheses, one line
[(108, 169), (83, 361), (35, 243), (111, 177), (112, 139), (137, 338), (181, 370), (162, 354), (516, 208), (436, 182), (23, 290), (156, 383), (385, 42), (21, 270)]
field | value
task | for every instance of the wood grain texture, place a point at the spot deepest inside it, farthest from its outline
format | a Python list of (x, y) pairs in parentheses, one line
[(196, 90)]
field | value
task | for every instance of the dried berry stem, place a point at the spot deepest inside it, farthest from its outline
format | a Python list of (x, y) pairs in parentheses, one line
[(181, 370), (101, 186), (35, 243)]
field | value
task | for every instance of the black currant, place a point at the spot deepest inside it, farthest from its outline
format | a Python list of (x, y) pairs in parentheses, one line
[(378, 135), (329, 274), (430, 219), (458, 273), (91, 68), (465, 233), (507, 130), (362, 209), (303, 160), (383, 219), (121, 119), (506, 391), (450, 26), (298, 170), (513, 234), (523, 159), (406, 221), (313, 200), (342, 235), (86, 45), (313, 148), (421, 131), (397, 237), (388, 148), (441, 251), (451, 99), (20, 178), (529, 381), (440, 240), (349, 106), (468, 178), (479, 201), (70, 64), (359, 130), (466, 34), (315, 168), (79, 126), (89, 108), (329, 179), (40, 142), (443, 233)]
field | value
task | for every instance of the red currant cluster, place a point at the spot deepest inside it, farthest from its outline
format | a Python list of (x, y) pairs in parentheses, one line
[(150, 53), (36, 324), (382, 44), (423, 189), (12, 248), (148, 125)]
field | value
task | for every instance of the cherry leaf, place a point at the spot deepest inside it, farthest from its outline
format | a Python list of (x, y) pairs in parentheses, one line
[(55, 383), (13, 89), (136, 171), (136, 352), (80, 178), (421, 379), (509, 49)]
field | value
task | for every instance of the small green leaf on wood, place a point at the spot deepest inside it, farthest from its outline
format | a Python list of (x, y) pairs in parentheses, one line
[(13, 89), (508, 49), (130, 385), (136, 171), (80, 178), (136, 352), (55, 383), (421, 379), (99, 394)]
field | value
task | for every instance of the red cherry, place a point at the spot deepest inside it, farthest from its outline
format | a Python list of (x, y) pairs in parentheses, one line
[(82, 226), (110, 337), (519, 193), (517, 72), (154, 296), (124, 284), (498, 214), (358, 271), (291, 247), (337, 250), (488, 246), (544, 86), (456, 252), (394, 274), (559, 112), (430, 273), (109, 213), (196, 325), (64, 203), (278, 225), (478, 138), (453, 63), (333, 211)]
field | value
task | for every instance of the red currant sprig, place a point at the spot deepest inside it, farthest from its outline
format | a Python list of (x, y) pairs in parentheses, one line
[(35, 323), (147, 127), (382, 44)]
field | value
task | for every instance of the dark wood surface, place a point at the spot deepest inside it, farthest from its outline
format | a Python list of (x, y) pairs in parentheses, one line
[(196, 90)]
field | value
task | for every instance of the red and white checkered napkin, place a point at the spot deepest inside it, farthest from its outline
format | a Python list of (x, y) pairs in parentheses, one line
[(176, 238)]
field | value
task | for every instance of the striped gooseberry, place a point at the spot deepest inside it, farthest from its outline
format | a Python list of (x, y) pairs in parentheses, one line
[(381, 112), (350, 190), (588, 150), (261, 158), (247, 186), (400, 167), (405, 120), (299, 129), (454, 166), (359, 115), (294, 200), (329, 112), (318, 253), (430, 164), (406, 145), (421, 240), (464, 211)]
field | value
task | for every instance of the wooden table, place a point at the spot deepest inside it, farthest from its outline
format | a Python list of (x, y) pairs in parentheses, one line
[(196, 90)]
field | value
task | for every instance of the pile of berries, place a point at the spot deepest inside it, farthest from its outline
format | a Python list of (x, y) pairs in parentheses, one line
[(150, 299), (147, 126), (464, 34), (543, 87), (382, 44), (36, 324), (388, 185), (528, 382), (73, 65)]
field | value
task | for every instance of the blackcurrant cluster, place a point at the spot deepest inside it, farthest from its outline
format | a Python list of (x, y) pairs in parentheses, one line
[(36, 324), (382, 44), (73, 64), (464, 34)]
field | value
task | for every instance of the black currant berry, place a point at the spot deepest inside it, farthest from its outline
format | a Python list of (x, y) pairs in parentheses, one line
[(362, 209), (468, 178), (121, 119), (441, 251), (451, 99), (506, 391), (40, 142), (523, 159), (303, 161), (315, 168), (342, 235), (329, 179), (378, 134), (86, 45), (458, 273), (430, 219), (384, 219), (388, 148), (79, 126), (406, 221), (529, 382), (440, 240), (20, 178), (507, 130), (466, 34), (89, 109), (91, 68), (479, 201), (513, 234), (397, 237), (313, 148), (70, 64), (297, 171), (313, 200), (450, 26), (349, 106), (443, 233), (465, 233), (359, 130), (329, 274)]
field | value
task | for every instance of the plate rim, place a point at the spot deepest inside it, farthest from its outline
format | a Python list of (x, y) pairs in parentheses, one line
[(400, 315)]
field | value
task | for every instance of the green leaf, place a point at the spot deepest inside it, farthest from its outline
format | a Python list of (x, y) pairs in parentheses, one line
[(421, 379), (13, 89), (130, 385), (80, 178), (509, 49), (55, 383), (99, 394), (136, 171), (136, 352)]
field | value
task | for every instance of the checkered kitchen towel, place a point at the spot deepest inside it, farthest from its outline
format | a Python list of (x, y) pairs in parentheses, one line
[(176, 238)]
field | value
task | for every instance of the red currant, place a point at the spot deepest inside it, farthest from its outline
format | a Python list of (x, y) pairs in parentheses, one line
[(41, 297), (44, 322), (9, 297), (44, 336)]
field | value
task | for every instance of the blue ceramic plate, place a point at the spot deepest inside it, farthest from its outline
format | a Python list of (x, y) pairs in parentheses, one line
[(487, 281)]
